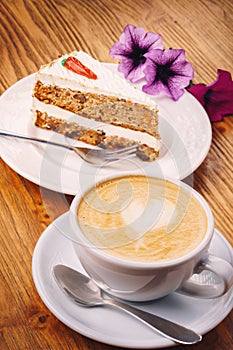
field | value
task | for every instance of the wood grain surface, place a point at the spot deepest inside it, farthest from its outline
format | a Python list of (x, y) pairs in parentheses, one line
[(33, 32)]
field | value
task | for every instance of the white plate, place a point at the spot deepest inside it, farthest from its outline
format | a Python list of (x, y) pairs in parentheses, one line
[(111, 326), (184, 128)]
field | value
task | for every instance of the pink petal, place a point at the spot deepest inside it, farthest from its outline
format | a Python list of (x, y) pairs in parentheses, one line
[(219, 108), (223, 81), (198, 91), (217, 98)]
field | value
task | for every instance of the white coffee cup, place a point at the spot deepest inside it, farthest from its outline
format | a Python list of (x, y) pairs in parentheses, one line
[(146, 280)]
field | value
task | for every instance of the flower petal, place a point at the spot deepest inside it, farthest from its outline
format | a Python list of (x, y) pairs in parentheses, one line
[(152, 41), (198, 91), (175, 87), (171, 69), (217, 98), (119, 50), (223, 82), (130, 72), (133, 43), (155, 88), (219, 107), (183, 69)]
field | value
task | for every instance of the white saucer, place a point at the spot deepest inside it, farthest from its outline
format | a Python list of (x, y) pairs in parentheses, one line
[(183, 125), (111, 326)]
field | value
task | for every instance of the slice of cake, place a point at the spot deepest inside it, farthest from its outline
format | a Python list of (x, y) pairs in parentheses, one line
[(78, 97)]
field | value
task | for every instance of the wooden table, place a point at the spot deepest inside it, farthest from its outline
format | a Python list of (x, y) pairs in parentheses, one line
[(31, 34)]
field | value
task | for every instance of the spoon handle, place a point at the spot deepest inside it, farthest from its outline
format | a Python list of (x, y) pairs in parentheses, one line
[(165, 327)]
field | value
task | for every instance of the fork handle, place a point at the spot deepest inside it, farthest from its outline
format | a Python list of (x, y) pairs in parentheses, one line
[(35, 140)]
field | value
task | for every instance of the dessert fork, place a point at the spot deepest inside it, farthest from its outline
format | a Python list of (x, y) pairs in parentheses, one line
[(92, 156)]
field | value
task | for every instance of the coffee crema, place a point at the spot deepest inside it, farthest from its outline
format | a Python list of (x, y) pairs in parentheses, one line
[(143, 219)]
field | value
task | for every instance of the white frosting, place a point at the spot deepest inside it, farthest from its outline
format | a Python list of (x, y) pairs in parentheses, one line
[(107, 82)]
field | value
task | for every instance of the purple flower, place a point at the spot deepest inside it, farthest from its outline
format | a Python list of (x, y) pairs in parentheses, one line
[(167, 71), (133, 44), (216, 98)]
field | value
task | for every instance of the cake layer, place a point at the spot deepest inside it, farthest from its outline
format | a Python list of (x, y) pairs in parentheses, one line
[(99, 107), (108, 129), (93, 137)]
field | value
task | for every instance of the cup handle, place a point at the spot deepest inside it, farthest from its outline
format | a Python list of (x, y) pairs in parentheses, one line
[(212, 278)]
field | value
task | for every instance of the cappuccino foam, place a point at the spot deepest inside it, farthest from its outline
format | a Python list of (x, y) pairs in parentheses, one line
[(141, 218)]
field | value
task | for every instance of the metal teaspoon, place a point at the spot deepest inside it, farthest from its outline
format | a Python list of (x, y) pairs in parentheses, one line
[(85, 292)]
